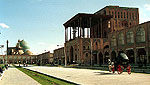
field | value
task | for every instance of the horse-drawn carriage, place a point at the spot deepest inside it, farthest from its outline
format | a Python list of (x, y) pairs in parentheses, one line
[(120, 63)]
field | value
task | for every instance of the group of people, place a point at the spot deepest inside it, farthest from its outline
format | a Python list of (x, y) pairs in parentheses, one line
[(24, 64), (2, 68)]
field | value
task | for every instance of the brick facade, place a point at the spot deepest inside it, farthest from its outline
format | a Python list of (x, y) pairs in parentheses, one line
[(112, 29)]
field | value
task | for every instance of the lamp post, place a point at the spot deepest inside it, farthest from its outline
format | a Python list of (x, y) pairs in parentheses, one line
[(91, 53), (7, 51)]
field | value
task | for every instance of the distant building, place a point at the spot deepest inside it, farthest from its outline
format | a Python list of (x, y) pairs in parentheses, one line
[(19, 53), (45, 58), (20, 49), (59, 56), (30, 59)]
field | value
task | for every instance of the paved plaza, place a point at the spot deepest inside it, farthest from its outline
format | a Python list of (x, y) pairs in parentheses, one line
[(94, 77), (13, 76)]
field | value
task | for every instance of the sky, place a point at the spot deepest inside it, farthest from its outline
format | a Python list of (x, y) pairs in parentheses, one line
[(40, 22)]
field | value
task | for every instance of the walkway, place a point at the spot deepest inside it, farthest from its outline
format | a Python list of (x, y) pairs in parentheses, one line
[(13, 76), (94, 77)]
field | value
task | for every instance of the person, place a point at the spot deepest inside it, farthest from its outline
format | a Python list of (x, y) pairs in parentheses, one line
[(109, 65), (112, 67), (24, 64), (6, 66), (1, 70), (19, 63)]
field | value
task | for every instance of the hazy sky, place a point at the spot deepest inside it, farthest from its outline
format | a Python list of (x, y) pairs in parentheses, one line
[(40, 22)]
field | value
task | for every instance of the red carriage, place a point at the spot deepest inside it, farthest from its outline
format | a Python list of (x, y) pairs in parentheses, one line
[(121, 63)]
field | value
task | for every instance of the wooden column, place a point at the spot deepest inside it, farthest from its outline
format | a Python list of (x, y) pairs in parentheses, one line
[(135, 55), (80, 27), (101, 21), (98, 29), (83, 32), (90, 26), (74, 31), (70, 33), (65, 34), (147, 54)]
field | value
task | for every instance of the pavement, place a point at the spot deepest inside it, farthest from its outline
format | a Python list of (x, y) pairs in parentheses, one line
[(93, 77), (13, 76)]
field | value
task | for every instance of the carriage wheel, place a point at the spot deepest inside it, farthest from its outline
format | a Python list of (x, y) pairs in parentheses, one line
[(113, 70), (119, 69), (129, 69)]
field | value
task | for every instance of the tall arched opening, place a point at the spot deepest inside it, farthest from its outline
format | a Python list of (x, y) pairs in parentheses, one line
[(95, 58), (130, 54), (100, 58), (141, 55), (71, 55), (106, 57), (113, 56)]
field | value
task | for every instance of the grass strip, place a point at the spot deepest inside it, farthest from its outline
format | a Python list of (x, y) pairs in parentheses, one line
[(43, 79)]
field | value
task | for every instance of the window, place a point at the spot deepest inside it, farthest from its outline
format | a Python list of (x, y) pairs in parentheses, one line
[(130, 37), (132, 15), (121, 14), (86, 54), (112, 13), (121, 39), (96, 43), (113, 41), (109, 13), (104, 12), (127, 15), (118, 15), (84, 47), (115, 15), (119, 24), (140, 35), (124, 15), (108, 24)]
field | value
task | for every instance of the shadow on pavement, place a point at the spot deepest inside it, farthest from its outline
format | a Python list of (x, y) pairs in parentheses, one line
[(104, 73), (11, 67)]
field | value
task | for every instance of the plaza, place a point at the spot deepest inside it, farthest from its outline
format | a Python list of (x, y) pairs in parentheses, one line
[(13, 76)]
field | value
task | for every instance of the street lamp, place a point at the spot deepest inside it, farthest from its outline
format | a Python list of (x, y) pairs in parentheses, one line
[(7, 51), (91, 53)]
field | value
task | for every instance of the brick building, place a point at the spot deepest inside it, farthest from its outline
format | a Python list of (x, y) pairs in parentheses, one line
[(134, 41), (94, 38), (30, 59), (80, 45), (123, 17), (59, 56), (45, 58)]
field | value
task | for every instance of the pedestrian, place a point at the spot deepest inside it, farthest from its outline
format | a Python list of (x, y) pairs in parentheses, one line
[(1, 70), (6, 66), (109, 65)]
